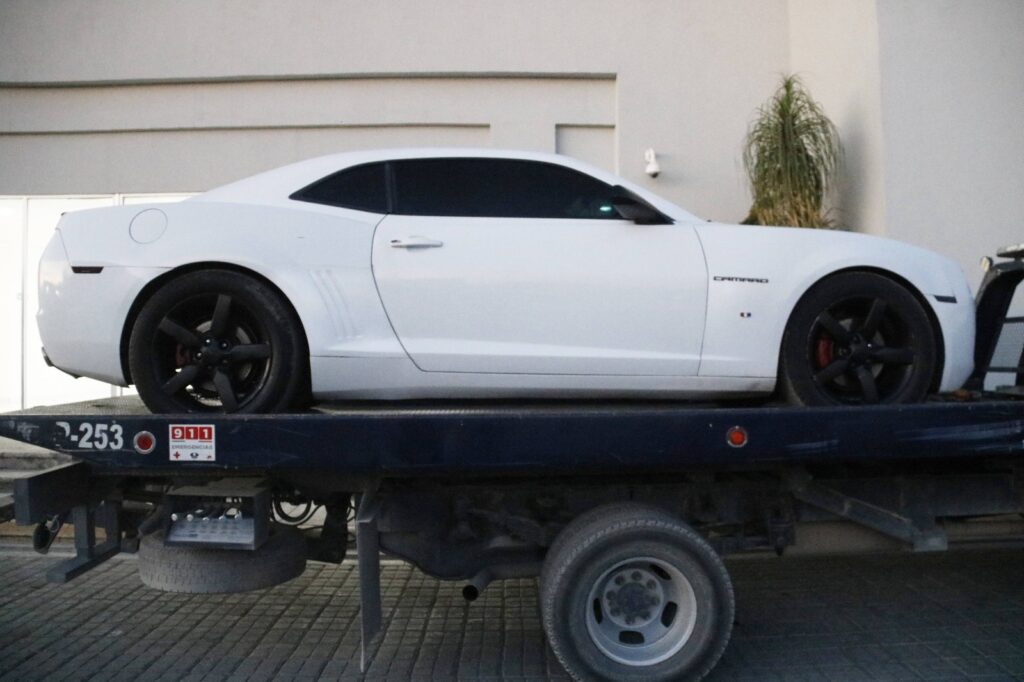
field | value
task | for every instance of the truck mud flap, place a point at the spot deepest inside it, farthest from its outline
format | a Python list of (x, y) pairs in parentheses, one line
[(368, 557)]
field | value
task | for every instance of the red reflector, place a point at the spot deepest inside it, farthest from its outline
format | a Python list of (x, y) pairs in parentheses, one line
[(144, 442), (736, 436)]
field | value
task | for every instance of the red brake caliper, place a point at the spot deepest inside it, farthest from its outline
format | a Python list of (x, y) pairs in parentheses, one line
[(181, 357), (823, 352)]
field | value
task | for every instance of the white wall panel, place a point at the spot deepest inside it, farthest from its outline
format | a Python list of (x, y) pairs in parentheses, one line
[(46, 385), (12, 224), (26, 225)]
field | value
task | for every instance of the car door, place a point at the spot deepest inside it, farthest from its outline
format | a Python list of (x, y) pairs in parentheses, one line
[(516, 266)]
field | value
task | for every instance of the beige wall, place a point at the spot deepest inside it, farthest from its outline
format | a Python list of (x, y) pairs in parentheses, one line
[(145, 96), (109, 97), (194, 136), (159, 96), (106, 98), (834, 49), (928, 96), (953, 111)]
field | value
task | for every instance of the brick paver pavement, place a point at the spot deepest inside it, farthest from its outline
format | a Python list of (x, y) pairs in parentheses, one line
[(885, 617)]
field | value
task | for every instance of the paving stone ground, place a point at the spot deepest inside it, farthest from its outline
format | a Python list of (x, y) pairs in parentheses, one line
[(949, 616)]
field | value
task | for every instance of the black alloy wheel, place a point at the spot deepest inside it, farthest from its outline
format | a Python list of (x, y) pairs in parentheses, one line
[(858, 339), (216, 341)]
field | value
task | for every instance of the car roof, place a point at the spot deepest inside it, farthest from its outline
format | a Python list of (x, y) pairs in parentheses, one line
[(277, 184)]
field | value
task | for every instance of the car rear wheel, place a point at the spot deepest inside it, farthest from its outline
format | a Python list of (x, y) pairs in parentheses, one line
[(858, 338), (217, 341)]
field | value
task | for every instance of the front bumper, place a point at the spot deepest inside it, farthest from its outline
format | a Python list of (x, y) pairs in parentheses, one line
[(957, 323)]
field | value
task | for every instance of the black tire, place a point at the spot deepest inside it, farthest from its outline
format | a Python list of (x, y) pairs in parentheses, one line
[(205, 571), (634, 538), (857, 338), (217, 341)]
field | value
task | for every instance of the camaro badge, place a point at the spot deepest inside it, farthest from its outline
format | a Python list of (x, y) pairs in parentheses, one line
[(750, 280)]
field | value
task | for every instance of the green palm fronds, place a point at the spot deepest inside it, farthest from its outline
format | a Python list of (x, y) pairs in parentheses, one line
[(791, 155)]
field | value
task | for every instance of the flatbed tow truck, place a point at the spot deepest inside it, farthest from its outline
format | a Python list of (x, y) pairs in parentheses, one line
[(622, 509)]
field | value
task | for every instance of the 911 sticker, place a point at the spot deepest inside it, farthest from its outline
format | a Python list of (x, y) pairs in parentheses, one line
[(192, 443)]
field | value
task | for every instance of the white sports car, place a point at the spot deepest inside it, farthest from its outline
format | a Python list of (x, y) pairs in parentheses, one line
[(485, 273)]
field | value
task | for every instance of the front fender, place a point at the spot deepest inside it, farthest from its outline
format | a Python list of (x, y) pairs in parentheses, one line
[(758, 274)]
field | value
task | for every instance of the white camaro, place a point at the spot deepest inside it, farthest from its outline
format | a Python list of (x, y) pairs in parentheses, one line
[(485, 273)]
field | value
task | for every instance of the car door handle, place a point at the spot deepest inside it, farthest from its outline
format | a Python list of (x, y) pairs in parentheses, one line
[(416, 243)]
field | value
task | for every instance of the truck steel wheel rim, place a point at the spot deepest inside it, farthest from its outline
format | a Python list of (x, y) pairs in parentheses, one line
[(860, 351), (213, 351), (641, 611)]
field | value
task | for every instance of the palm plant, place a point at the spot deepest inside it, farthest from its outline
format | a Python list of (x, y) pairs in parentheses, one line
[(791, 154)]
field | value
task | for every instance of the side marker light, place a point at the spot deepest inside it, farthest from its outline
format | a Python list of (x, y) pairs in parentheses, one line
[(736, 437), (144, 442)]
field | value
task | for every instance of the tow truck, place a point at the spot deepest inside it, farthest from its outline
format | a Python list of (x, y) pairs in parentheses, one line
[(623, 510)]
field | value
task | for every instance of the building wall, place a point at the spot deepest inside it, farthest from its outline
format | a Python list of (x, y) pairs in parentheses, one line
[(106, 98), (834, 49), (953, 101), (195, 136), (927, 95), (154, 96), (138, 96)]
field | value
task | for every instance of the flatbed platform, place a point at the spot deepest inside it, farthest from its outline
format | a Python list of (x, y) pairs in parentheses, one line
[(517, 438)]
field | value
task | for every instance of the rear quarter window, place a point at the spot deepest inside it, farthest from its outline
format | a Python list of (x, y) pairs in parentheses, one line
[(363, 188)]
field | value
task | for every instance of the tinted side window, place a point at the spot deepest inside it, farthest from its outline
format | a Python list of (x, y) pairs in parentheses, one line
[(363, 188), (498, 188)]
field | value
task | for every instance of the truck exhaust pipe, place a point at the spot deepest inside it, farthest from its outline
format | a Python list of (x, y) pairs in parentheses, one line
[(477, 584)]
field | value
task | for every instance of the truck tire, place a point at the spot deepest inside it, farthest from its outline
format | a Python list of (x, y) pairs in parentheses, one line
[(629, 592), (203, 571)]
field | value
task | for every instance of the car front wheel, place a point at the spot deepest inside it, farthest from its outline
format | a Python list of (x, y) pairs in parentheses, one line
[(858, 338), (217, 341)]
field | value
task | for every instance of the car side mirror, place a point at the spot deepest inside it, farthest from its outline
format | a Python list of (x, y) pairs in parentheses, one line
[(639, 212)]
